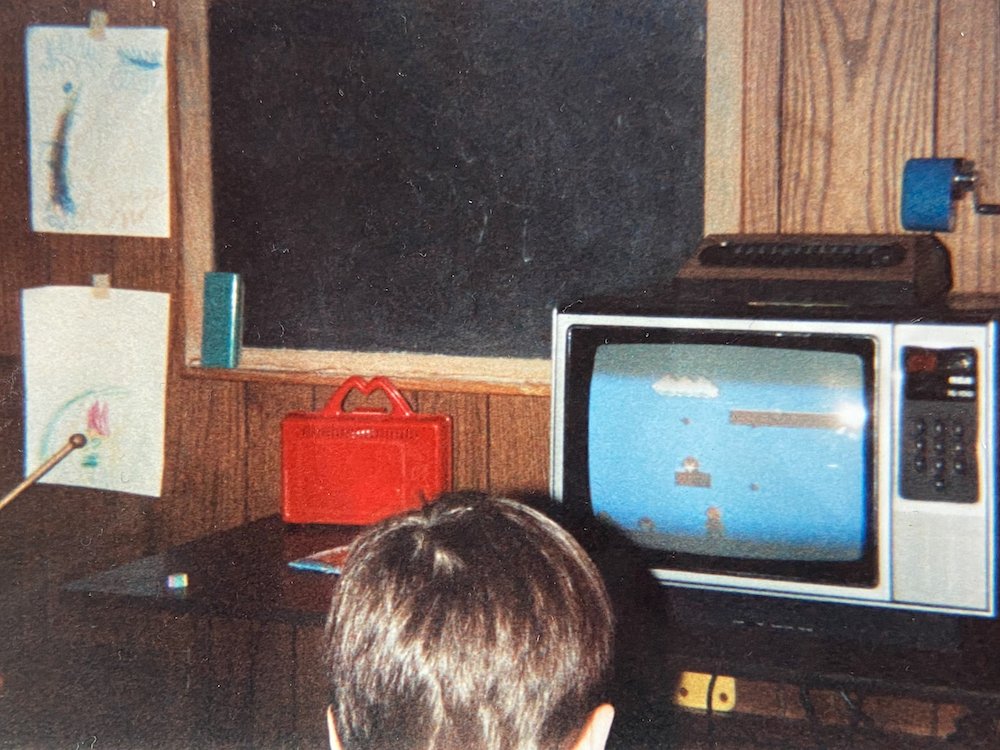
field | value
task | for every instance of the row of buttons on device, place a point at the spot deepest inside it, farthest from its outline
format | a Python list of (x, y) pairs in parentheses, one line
[(939, 447)]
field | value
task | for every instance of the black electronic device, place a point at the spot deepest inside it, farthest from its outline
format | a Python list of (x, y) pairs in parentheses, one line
[(816, 270)]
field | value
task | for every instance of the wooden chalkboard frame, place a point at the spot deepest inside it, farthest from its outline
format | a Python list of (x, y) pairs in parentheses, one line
[(722, 193)]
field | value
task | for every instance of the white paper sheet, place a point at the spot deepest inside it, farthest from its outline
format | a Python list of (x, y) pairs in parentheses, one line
[(97, 366), (97, 131)]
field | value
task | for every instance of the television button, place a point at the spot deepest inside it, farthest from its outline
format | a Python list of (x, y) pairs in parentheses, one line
[(920, 427), (939, 447), (958, 429), (963, 361), (938, 428), (958, 448), (940, 485), (920, 464), (938, 466), (959, 466), (920, 444)]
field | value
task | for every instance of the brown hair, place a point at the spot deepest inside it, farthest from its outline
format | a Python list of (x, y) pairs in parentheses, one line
[(476, 623)]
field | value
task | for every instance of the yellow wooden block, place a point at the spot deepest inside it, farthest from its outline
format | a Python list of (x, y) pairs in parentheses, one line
[(692, 691)]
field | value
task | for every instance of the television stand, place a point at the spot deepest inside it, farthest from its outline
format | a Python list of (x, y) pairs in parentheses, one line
[(841, 674), (863, 626)]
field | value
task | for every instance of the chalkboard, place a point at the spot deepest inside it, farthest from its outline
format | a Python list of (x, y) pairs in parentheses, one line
[(432, 176)]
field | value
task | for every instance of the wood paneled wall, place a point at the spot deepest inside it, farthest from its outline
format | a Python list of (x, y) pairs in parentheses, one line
[(837, 94)]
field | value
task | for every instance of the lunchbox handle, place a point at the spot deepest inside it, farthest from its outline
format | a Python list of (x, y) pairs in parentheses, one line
[(335, 406)]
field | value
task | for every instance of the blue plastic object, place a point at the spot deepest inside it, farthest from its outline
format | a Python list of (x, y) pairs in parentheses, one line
[(222, 321), (928, 192)]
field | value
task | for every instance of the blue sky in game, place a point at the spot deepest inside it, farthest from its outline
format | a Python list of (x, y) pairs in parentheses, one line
[(746, 451)]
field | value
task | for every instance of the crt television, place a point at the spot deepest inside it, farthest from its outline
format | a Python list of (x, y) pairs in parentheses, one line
[(847, 460)]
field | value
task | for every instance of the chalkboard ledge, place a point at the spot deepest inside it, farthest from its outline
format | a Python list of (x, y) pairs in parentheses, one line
[(436, 372)]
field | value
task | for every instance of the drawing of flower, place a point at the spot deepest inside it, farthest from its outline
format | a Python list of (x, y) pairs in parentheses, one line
[(97, 419)]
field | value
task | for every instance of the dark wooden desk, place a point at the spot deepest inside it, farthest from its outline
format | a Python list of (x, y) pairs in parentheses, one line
[(241, 573), (232, 661), (252, 637)]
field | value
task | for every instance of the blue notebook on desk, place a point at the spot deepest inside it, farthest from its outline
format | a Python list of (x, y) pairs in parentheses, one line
[(328, 561)]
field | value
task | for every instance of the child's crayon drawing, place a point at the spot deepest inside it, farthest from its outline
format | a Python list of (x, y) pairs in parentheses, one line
[(96, 366), (97, 131)]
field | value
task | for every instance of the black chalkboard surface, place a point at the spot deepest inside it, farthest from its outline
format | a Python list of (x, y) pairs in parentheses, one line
[(432, 176)]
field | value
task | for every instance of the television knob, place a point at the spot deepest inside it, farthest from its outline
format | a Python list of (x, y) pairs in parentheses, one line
[(963, 361)]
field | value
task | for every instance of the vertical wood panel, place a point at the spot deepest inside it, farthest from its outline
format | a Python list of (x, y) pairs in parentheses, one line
[(11, 422), (762, 116), (469, 430), (229, 692), (266, 406), (148, 264), (312, 689), (723, 115), (74, 258), (518, 444), (274, 689), (205, 474), (322, 394), (13, 118), (23, 260), (968, 126), (23, 264), (857, 101), (194, 170)]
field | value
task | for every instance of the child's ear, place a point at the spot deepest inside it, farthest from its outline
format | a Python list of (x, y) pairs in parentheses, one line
[(331, 727), (595, 733)]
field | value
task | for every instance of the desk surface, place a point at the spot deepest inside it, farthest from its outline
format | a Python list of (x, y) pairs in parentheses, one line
[(243, 574), (239, 573)]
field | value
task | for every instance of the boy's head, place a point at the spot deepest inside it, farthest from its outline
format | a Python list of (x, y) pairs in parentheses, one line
[(474, 624)]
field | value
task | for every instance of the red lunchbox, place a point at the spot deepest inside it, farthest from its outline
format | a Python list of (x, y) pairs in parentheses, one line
[(361, 466)]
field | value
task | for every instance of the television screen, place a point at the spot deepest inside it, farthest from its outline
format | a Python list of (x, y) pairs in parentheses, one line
[(732, 451)]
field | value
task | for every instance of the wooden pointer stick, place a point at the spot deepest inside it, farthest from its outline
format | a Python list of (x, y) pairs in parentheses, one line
[(75, 441)]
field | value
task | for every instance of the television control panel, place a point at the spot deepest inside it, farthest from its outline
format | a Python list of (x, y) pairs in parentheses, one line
[(939, 425)]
